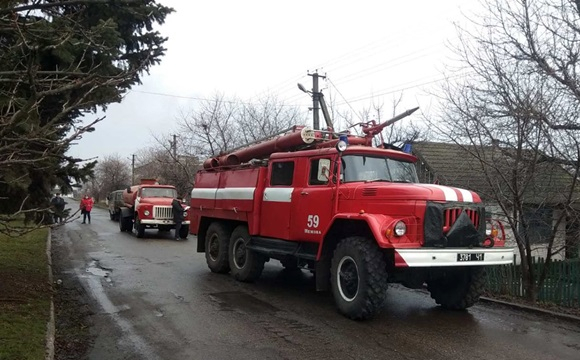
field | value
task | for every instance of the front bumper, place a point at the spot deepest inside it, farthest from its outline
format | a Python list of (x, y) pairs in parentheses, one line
[(161, 222), (428, 257)]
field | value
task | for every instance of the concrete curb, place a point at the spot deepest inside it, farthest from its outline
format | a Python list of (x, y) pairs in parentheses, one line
[(50, 327), (532, 309)]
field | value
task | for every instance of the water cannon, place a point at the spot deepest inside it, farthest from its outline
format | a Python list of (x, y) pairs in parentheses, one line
[(371, 129)]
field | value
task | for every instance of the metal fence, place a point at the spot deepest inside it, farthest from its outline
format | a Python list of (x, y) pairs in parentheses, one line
[(561, 286)]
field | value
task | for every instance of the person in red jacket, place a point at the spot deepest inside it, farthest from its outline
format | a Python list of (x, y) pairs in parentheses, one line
[(86, 207)]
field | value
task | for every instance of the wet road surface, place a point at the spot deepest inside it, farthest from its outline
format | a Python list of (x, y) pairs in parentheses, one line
[(155, 298)]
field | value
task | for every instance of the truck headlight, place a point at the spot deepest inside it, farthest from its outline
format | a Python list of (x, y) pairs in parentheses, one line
[(185, 214), (400, 228), (146, 213)]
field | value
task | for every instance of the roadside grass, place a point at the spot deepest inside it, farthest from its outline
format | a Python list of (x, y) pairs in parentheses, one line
[(24, 296)]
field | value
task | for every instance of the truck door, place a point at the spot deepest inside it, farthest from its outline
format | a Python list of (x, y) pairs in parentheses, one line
[(276, 201), (312, 204)]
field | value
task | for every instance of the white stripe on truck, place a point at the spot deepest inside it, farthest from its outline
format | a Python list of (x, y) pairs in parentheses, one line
[(203, 193), (278, 194), (231, 193)]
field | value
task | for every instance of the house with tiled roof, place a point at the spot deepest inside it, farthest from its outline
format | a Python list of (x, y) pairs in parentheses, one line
[(547, 188)]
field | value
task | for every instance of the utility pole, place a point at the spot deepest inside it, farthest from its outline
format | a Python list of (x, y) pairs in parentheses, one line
[(133, 170), (174, 146), (316, 99)]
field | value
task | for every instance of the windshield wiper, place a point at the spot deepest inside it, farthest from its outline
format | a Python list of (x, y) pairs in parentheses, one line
[(377, 180)]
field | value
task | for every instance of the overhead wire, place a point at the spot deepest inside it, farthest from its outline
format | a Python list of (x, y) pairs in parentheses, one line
[(199, 98), (392, 63), (398, 89), (339, 93), (289, 84)]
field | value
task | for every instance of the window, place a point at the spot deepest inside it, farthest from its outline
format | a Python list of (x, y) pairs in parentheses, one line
[(369, 168), (158, 192), (539, 222), (282, 173), (319, 172)]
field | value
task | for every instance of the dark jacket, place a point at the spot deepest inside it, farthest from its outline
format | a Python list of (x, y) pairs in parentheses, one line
[(58, 203), (177, 210)]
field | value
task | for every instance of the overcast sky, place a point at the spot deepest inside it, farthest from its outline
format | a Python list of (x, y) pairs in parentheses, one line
[(371, 51)]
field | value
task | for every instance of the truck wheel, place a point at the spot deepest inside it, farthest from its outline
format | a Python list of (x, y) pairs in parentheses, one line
[(246, 265), (458, 288), (122, 224), (140, 228), (217, 240), (358, 278), (184, 231), (111, 216)]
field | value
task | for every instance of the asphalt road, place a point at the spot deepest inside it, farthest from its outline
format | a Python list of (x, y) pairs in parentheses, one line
[(155, 298)]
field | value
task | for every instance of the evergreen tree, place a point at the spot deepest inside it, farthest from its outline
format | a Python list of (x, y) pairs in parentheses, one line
[(60, 61)]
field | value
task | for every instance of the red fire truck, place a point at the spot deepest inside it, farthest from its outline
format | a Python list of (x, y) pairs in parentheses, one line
[(353, 214), (147, 206)]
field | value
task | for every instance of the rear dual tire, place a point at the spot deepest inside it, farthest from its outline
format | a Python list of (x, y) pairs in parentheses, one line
[(125, 224), (217, 240), (246, 265)]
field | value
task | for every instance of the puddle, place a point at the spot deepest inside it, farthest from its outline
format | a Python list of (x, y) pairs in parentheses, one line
[(97, 270)]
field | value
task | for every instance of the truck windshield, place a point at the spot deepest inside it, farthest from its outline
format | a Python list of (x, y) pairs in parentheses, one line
[(372, 168), (159, 192)]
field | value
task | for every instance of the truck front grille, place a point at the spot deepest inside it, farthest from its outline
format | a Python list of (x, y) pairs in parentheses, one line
[(163, 212), (451, 214)]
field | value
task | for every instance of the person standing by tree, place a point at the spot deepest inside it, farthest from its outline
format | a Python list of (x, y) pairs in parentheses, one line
[(57, 203), (177, 215), (86, 207)]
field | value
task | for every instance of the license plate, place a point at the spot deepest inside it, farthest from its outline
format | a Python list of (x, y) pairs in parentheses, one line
[(470, 257)]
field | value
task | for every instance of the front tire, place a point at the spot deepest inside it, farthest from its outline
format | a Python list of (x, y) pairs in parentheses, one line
[(217, 239), (184, 231), (140, 228), (459, 288), (358, 278), (245, 264)]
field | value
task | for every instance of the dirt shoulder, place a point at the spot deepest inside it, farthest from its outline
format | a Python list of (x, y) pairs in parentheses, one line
[(73, 309)]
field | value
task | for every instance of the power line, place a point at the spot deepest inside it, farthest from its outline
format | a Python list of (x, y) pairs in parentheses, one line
[(389, 91), (386, 65), (338, 91), (288, 85), (202, 99)]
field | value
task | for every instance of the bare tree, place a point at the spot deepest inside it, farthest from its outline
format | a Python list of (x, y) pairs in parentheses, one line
[(515, 113), (112, 173), (219, 125), (168, 167)]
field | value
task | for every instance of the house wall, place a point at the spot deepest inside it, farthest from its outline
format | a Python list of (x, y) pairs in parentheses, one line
[(538, 250)]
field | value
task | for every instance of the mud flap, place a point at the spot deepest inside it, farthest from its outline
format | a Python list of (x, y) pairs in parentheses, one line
[(322, 274)]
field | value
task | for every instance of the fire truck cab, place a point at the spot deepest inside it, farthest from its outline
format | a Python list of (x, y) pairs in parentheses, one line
[(353, 214)]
